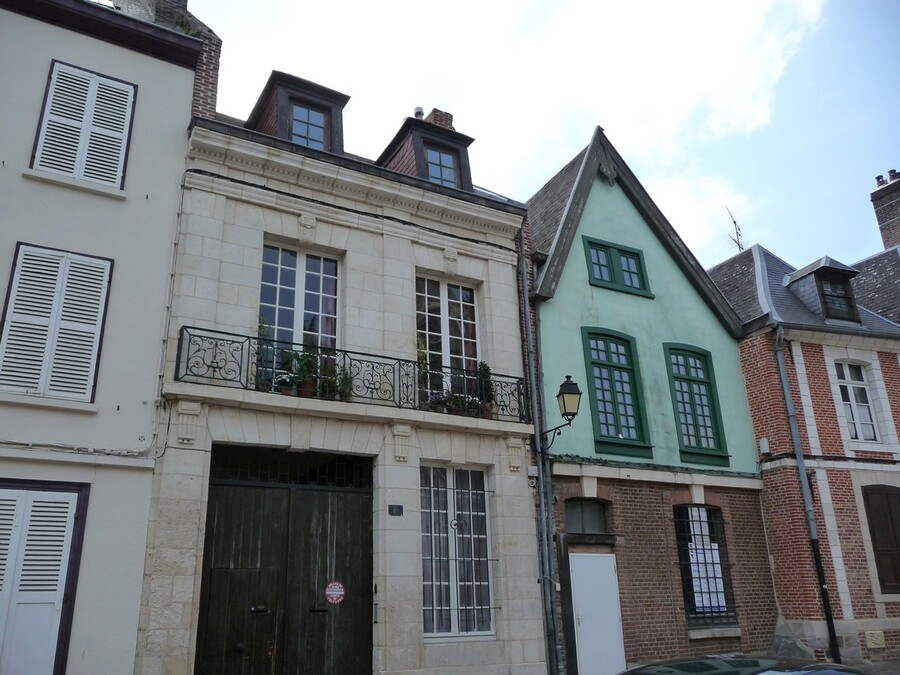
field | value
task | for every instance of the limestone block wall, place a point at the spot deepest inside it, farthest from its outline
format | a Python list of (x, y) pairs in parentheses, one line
[(170, 607)]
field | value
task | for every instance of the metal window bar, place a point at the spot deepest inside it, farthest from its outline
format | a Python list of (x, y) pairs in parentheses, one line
[(224, 359), (705, 568)]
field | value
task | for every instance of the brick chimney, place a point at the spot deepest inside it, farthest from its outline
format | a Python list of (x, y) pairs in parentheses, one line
[(440, 118), (886, 202)]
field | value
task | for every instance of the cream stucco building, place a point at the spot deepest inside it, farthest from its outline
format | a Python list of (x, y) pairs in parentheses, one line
[(95, 108)]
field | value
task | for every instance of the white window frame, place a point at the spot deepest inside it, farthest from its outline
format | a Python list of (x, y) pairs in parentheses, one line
[(53, 323), (885, 429), (300, 291), (447, 367), (447, 522), (85, 127)]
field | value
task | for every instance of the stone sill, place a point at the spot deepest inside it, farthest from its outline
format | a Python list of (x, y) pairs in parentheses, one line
[(711, 633)]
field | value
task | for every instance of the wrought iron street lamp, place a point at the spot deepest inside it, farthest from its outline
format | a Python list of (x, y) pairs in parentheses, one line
[(569, 399)]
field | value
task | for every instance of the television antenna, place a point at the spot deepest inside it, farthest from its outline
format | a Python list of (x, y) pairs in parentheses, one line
[(736, 237)]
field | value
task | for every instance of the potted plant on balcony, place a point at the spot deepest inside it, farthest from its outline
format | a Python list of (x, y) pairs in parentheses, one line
[(305, 368), (344, 383), (285, 382), (484, 390)]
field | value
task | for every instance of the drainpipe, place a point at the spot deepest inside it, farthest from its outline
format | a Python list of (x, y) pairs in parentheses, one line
[(807, 496), (554, 654)]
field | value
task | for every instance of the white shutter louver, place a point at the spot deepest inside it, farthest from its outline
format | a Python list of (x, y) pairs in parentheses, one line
[(7, 520), (84, 132), (63, 121), (39, 545), (108, 133), (51, 337), (26, 333), (78, 337)]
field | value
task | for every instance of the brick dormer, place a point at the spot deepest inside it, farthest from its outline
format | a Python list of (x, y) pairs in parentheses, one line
[(431, 149), (886, 202), (824, 287), (300, 111)]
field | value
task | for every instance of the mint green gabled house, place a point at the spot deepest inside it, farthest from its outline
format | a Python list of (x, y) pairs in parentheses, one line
[(659, 545)]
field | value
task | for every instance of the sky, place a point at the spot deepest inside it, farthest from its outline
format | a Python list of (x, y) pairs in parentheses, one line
[(779, 111)]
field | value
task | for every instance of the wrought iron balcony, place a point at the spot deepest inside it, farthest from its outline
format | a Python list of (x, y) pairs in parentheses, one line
[(241, 361)]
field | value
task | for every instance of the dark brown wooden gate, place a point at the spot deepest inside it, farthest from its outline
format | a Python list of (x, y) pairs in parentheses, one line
[(280, 528)]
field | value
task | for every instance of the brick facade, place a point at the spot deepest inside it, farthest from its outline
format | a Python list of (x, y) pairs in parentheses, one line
[(886, 202), (837, 469), (654, 622)]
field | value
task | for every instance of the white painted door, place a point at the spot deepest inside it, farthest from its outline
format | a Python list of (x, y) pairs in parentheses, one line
[(598, 619), (35, 540)]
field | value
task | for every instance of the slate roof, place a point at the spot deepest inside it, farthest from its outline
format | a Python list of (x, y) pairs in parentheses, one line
[(755, 283), (555, 211)]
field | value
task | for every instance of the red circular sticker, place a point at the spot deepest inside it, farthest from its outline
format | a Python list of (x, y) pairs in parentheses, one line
[(334, 592)]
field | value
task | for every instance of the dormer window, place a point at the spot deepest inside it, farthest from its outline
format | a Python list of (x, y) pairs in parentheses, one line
[(301, 112), (442, 166), (432, 150), (824, 287), (837, 299), (309, 126)]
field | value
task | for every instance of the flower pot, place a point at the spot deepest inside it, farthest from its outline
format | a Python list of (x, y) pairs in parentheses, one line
[(306, 388)]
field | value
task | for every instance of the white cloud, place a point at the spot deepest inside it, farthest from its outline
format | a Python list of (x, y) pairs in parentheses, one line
[(530, 81)]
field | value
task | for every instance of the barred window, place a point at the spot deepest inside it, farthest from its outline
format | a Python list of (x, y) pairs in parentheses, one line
[(705, 571), (456, 587)]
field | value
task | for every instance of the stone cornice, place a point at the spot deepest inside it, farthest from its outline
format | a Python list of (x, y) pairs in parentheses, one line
[(278, 169)]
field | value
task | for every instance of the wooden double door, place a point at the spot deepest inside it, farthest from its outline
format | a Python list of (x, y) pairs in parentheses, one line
[(287, 581)]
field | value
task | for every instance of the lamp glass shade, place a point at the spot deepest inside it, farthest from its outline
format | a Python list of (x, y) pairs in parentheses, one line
[(568, 398)]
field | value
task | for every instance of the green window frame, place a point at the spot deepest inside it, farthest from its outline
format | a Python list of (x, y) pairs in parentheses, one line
[(695, 401), (616, 267), (614, 388)]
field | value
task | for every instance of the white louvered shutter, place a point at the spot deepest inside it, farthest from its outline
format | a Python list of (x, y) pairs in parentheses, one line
[(30, 315), (52, 335), (74, 354), (40, 527), (84, 132)]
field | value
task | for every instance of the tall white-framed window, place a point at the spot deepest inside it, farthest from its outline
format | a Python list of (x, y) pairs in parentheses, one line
[(298, 297), (446, 335), (85, 127), (53, 322), (856, 400), (456, 575)]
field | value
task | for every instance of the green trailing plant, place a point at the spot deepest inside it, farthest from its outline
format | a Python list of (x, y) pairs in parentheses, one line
[(305, 366), (344, 383), (484, 384)]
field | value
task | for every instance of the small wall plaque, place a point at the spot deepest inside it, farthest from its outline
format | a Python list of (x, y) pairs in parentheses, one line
[(395, 509)]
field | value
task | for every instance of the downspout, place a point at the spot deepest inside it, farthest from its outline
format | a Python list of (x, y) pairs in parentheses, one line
[(550, 630), (807, 496)]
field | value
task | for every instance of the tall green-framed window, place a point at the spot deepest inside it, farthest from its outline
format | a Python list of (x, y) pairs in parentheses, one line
[(697, 413), (614, 389), (617, 267)]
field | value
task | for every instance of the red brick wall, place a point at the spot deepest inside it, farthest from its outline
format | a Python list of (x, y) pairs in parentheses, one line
[(206, 77), (817, 380), (653, 617), (886, 202), (764, 392), (404, 160)]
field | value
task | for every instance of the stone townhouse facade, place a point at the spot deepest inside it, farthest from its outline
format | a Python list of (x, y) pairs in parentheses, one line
[(656, 530), (341, 483), (95, 107), (823, 379)]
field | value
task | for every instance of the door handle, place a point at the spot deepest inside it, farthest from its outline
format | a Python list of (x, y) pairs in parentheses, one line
[(317, 611), (259, 609)]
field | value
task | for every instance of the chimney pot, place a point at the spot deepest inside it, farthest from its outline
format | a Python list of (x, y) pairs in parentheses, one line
[(893, 175), (879, 181), (419, 112)]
